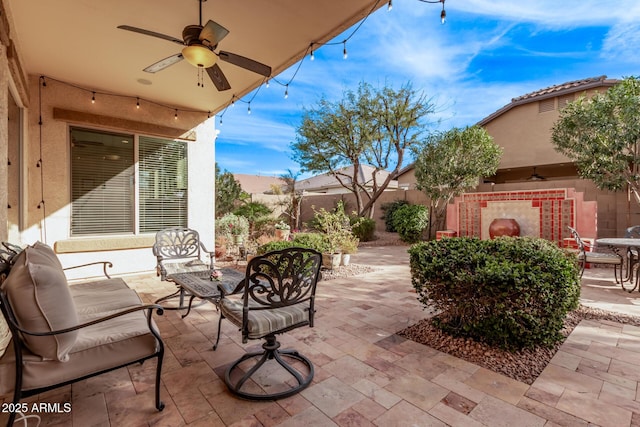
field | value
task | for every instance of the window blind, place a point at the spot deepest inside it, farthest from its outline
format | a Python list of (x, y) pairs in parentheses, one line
[(163, 184), (102, 180)]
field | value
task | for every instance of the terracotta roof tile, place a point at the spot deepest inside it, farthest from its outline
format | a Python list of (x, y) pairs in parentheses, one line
[(576, 84)]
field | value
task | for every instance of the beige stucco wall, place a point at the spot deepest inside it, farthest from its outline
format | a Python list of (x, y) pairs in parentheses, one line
[(525, 135), (4, 146), (50, 222), (615, 211)]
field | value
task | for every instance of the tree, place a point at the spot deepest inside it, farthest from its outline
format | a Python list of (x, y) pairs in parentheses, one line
[(369, 127), (601, 135), (228, 190), (450, 163), (293, 204)]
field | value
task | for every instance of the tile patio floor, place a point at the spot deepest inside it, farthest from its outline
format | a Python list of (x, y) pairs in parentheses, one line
[(366, 375)]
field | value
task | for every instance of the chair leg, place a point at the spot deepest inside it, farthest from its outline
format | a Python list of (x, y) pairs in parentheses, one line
[(271, 352), (215, 346), (159, 403)]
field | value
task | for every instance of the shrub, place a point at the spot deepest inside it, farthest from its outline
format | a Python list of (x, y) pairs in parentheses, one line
[(317, 241), (509, 292), (389, 209), (231, 225), (410, 221), (275, 245), (363, 228)]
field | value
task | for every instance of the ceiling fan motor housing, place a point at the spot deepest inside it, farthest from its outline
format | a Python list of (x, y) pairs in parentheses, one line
[(191, 34)]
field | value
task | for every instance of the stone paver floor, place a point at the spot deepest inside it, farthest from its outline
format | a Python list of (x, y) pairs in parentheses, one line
[(366, 375)]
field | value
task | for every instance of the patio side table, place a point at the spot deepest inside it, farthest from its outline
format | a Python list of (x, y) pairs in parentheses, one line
[(199, 284)]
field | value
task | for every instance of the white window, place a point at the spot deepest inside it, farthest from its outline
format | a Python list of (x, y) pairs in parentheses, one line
[(110, 195)]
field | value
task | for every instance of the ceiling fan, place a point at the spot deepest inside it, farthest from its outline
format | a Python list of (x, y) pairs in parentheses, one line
[(199, 50), (535, 177)]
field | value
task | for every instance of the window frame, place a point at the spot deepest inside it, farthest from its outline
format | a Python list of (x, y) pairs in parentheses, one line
[(136, 199)]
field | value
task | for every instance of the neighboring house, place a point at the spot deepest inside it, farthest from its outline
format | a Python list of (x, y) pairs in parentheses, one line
[(97, 155), (328, 184), (257, 184), (523, 129)]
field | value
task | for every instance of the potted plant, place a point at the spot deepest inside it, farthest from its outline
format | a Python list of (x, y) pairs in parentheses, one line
[(348, 245), (221, 247), (234, 227), (282, 230)]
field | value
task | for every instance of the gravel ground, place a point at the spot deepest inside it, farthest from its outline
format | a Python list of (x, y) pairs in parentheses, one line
[(524, 365)]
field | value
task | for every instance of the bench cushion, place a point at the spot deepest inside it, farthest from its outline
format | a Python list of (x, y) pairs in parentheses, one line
[(39, 295)]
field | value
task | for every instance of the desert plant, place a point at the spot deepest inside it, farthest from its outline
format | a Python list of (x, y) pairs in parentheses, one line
[(256, 213), (281, 226), (317, 241), (275, 245), (389, 209), (510, 292), (349, 244), (410, 221), (231, 225), (363, 228)]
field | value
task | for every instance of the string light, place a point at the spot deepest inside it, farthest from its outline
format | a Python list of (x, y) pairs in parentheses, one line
[(138, 103), (176, 115), (443, 14), (93, 97), (311, 52)]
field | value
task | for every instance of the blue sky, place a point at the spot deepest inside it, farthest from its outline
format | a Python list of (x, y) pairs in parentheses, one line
[(488, 52)]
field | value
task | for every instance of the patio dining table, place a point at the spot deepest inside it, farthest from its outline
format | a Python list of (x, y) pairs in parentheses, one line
[(631, 246)]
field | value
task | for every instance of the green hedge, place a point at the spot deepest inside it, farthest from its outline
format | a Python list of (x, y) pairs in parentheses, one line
[(363, 228), (509, 292), (410, 221), (317, 241), (389, 209)]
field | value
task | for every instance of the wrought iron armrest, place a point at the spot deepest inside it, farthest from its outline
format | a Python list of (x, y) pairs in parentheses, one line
[(212, 255), (228, 289), (105, 264), (149, 307)]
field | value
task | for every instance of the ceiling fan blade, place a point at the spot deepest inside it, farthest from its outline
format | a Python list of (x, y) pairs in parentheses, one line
[(217, 77), (164, 63), (246, 63), (212, 33), (151, 33)]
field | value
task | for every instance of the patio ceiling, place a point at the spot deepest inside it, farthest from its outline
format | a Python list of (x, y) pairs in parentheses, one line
[(78, 41)]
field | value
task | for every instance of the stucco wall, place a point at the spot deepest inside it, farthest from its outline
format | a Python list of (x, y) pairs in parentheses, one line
[(50, 222), (614, 214)]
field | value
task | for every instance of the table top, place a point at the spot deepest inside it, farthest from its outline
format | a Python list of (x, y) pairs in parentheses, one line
[(200, 284), (618, 241)]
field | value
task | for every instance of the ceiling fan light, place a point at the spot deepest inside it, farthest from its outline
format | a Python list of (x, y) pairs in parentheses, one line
[(199, 56)]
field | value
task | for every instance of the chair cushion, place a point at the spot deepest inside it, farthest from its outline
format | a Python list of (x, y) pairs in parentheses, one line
[(192, 266), (264, 322), (602, 258), (39, 295), (5, 335)]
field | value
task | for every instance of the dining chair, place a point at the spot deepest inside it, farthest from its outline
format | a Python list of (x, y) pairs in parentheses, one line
[(277, 296), (586, 256)]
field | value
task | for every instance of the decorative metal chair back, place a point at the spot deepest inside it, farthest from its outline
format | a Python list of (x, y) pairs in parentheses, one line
[(7, 257), (281, 279), (177, 243), (633, 232), (578, 240)]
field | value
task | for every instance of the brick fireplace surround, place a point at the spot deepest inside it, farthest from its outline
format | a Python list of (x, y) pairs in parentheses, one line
[(540, 213)]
